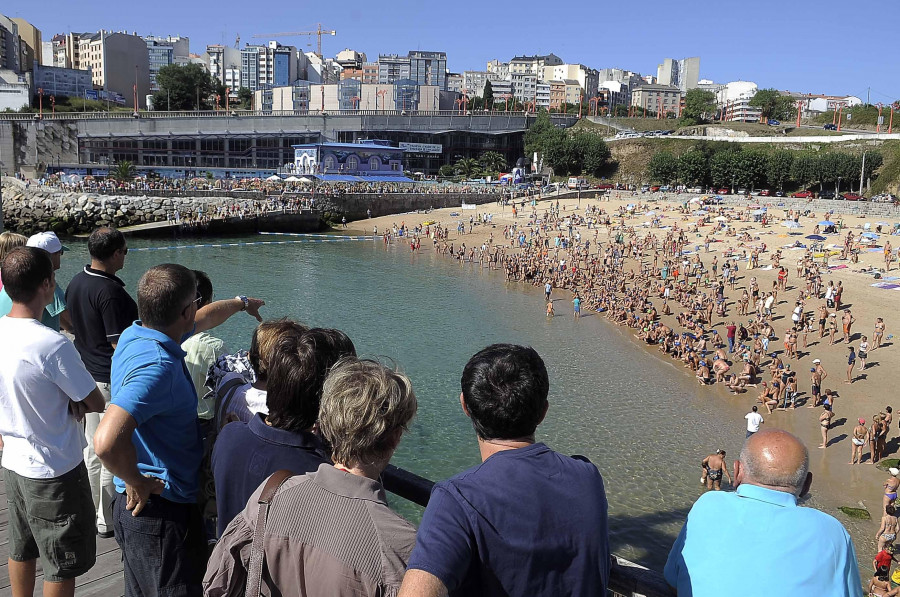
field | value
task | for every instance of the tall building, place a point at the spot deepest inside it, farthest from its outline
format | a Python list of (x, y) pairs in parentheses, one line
[(733, 100), (588, 78), (657, 98), (224, 65), (267, 66), (163, 51), (118, 62), (392, 68), (10, 45), (30, 45), (456, 84), (684, 73), (429, 68), (501, 69), (63, 82), (533, 65), (348, 58)]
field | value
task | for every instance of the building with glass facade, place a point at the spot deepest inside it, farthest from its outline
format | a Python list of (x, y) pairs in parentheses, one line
[(429, 68)]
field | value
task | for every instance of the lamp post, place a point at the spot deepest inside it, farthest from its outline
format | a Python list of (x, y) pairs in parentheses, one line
[(840, 117), (227, 93), (40, 102), (380, 94), (878, 122)]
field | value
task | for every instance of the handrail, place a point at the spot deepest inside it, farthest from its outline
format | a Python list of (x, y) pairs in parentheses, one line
[(626, 579), (156, 115)]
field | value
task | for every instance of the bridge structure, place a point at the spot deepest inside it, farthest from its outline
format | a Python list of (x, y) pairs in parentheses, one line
[(247, 141)]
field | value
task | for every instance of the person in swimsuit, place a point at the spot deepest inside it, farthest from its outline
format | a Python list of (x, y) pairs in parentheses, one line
[(550, 309), (879, 333), (857, 442), (713, 467), (880, 586), (862, 353), (890, 488), (825, 424), (887, 532)]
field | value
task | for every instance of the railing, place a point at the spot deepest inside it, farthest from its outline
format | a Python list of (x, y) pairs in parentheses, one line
[(272, 113), (626, 579)]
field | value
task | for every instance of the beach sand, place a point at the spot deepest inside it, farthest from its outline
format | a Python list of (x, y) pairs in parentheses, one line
[(836, 483)]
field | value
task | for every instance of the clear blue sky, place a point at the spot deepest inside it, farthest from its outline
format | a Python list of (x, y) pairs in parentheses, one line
[(815, 47)]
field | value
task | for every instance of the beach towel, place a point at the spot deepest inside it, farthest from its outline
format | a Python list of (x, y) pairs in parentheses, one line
[(834, 267), (886, 285)]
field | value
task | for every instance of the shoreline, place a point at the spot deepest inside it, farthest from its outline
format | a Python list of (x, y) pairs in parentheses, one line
[(837, 483)]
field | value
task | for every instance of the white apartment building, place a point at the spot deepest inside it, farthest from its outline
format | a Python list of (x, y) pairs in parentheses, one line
[(542, 95), (524, 87), (587, 77), (733, 100), (222, 60), (501, 69), (533, 65)]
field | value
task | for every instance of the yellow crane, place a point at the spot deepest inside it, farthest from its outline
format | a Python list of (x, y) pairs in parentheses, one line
[(318, 33)]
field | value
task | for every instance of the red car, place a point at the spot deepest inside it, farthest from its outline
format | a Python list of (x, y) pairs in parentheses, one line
[(603, 186), (723, 192), (654, 188), (852, 197), (765, 193), (802, 194)]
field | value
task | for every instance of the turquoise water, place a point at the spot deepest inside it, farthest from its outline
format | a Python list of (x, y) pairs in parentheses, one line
[(635, 416)]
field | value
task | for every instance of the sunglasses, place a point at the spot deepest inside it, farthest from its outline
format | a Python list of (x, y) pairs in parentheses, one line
[(195, 301)]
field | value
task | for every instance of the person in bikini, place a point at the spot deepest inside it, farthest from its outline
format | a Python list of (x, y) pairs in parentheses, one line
[(880, 586), (825, 424), (890, 488), (713, 467), (887, 532), (878, 334), (857, 442)]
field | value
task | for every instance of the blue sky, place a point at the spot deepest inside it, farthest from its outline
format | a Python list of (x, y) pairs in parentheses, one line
[(816, 47)]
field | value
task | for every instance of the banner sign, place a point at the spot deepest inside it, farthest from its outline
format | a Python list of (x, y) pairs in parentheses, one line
[(422, 147)]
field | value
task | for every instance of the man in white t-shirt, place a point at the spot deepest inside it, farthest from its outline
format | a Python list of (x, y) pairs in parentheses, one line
[(754, 420), (45, 391)]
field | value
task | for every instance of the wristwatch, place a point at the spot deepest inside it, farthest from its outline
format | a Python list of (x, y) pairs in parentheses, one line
[(244, 300)]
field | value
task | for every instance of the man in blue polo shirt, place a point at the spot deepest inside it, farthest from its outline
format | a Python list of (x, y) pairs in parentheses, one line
[(150, 436), (527, 520), (807, 552)]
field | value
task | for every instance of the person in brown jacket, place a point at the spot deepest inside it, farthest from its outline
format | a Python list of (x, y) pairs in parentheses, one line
[(330, 532)]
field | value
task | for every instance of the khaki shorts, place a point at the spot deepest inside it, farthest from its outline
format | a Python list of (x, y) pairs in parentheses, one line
[(53, 519)]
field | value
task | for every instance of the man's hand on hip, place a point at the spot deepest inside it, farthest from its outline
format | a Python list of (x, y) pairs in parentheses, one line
[(139, 494)]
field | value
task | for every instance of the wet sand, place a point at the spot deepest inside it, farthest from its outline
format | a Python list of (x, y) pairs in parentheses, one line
[(836, 483)]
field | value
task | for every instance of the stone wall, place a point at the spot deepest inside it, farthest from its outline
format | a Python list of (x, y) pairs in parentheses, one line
[(820, 206), (354, 205)]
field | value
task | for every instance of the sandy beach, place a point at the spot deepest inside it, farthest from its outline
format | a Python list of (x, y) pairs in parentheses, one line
[(836, 482)]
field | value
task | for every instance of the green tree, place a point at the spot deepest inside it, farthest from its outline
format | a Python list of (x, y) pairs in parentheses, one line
[(182, 87), (492, 162), (467, 167), (750, 168), (805, 169), (767, 102), (722, 167), (488, 94), (596, 155), (778, 168), (447, 170), (693, 168), (123, 172), (699, 104), (245, 99), (663, 167)]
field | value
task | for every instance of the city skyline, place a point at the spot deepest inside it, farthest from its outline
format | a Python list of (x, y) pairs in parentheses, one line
[(616, 36)]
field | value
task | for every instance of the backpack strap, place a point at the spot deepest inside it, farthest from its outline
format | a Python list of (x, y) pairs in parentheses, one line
[(257, 550)]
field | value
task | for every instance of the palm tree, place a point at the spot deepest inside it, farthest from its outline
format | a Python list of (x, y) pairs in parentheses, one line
[(123, 171), (492, 161), (467, 167)]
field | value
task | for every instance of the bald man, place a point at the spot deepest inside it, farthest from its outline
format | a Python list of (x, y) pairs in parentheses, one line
[(808, 551)]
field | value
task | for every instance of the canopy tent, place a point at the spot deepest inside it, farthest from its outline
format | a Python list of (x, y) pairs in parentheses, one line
[(759, 212), (274, 178), (291, 179)]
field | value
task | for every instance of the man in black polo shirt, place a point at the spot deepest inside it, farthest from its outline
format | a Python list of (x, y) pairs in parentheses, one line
[(100, 309)]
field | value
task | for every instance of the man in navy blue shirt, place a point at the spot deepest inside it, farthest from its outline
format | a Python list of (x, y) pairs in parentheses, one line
[(527, 520), (247, 453)]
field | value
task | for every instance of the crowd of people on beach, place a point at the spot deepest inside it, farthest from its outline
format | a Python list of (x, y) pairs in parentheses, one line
[(185, 442)]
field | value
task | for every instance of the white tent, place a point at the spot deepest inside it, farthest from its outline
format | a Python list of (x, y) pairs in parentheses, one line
[(304, 179), (274, 178), (291, 179)]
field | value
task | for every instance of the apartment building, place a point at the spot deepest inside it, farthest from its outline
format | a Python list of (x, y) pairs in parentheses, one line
[(30, 51), (62, 82), (733, 100), (392, 68), (428, 68), (657, 98), (456, 83), (587, 78), (10, 45), (566, 91), (119, 63), (224, 65), (533, 65), (268, 66), (500, 69), (684, 73)]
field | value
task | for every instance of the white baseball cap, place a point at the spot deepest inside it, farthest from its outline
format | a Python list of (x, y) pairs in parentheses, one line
[(816, 361), (47, 241), (894, 471)]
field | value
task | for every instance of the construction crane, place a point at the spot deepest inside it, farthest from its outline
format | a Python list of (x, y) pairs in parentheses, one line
[(318, 33), (237, 42)]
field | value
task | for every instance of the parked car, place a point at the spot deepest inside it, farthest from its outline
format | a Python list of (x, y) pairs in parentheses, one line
[(664, 189), (779, 193), (723, 191), (773, 122), (830, 127), (765, 193), (884, 198), (603, 185), (826, 195), (645, 188), (802, 194), (654, 188), (852, 197)]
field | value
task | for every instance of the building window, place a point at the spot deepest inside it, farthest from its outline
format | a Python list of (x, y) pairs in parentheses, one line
[(374, 163), (328, 163), (353, 163)]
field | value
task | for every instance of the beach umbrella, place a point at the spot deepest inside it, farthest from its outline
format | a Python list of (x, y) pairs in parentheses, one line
[(699, 212), (291, 179), (650, 213), (695, 200), (790, 224), (759, 212), (826, 223), (870, 235), (274, 178), (882, 224), (721, 219), (304, 179), (816, 237)]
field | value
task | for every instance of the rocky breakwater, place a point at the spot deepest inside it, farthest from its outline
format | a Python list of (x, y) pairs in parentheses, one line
[(36, 209)]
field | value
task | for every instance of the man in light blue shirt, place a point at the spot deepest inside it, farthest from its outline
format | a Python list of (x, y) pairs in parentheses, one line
[(807, 552)]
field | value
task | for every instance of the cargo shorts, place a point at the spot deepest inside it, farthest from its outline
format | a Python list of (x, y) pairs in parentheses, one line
[(53, 519)]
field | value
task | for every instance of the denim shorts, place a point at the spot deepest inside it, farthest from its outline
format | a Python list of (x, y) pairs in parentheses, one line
[(53, 519)]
